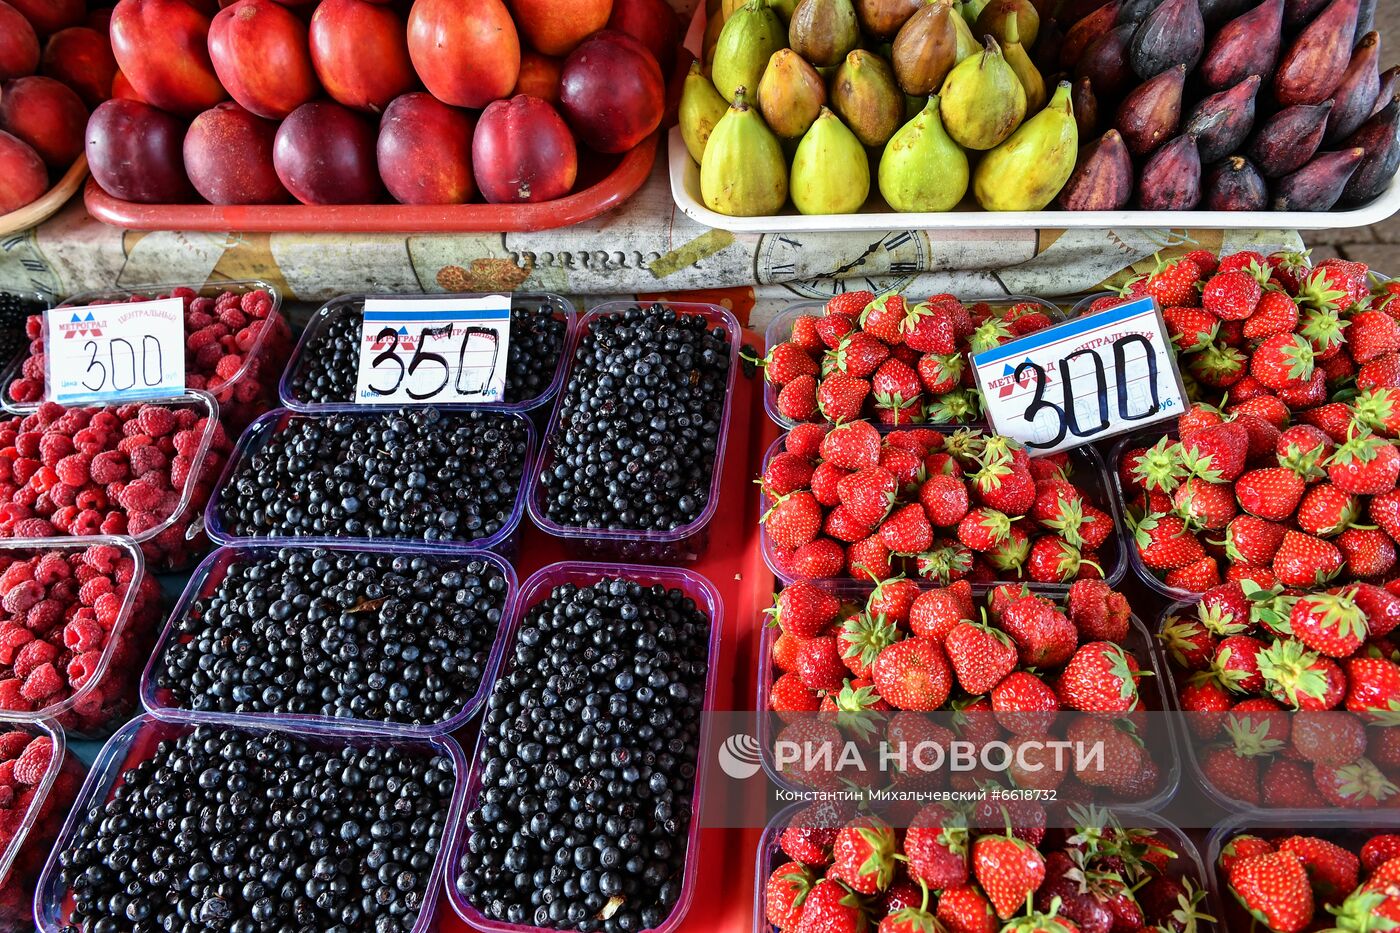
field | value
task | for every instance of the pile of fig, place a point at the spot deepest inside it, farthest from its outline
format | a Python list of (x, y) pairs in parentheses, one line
[(822, 102), (1229, 105), (367, 101)]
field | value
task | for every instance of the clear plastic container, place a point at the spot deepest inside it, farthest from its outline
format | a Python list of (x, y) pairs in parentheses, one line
[(137, 740), (261, 430), (1120, 496), (542, 303), (1141, 645), (780, 330), (205, 582), (533, 591), (1188, 865), (683, 544), (1088, 472), (22, 856), (109, 695), (246, 394)]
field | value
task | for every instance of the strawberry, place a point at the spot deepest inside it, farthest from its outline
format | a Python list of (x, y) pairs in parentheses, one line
[(1054, 560), (797, 401), (1295, 676), (1288, 785), (826, 480), (811, 833), (945, 564), (1173, 284), (1303, 560), (786, 890), (831, 907), (1384, 510), (1359, 785), (818, 560), (833, 328), (1332, 870), (1206, 261), (786, 473), (906, 465), (820, 665), (1231, 296), (1205, 505), (1379, 410), (1240, 847), (1378, 850), (1366, 465), (1189, 643), (869, 559), (1195, 577), (930, 328), (911, 919), (804, 610), (1374, 686), (805, 440), (786, 362), (1381, 373), (883, 316), (965, 909), (980, 656), (840, 397), (1236, 663), (1372, 334), (806, 336), (1302, 448), (1008, 556), (944, 499), (940, 374), (868, 494), (1224, 610), (849, 303), (893, 598), (1337, 283), (907, 531), (790, 695), (1191, 329), (1217, 366), (1024, 704), (1281, 361), (1368, 552), (1274, 888), (1270, 493), (1276, 313), (1216, 453), (1233, 774), (852, 446), (937, 612), (1099, 612), (1333, 419), (1326, 510), (1044, 636), (1008, 869), (842, 524), (1005, 487), (913, 675), (1164, 543), (858, 355), (863, 855), (935, 845), (1246, 261), (793, 520), (982, 529), (1286, 268), (1100, 678)]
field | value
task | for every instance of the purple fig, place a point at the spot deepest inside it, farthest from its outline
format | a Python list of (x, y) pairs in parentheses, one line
[(1366, 17), (1298, 13), (1046, 55), (1235, 185), (1105, 62), (1246, 45), (1103, 177), (1216, 12), (1086, 107), (1135, 11), (1171, 179), (1075, 10), (1317, 186), (1314, 65), (1085, 31), (1355, 98), (1288, 139), (1379, 137), (1173, 34), (1389, 87), (1150, 115), (1221, 123)]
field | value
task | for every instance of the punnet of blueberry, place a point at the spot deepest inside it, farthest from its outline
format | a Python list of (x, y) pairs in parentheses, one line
[(235, 830), (639, 422), (588, 767), (400, 638), (330, 359), (413, 474)]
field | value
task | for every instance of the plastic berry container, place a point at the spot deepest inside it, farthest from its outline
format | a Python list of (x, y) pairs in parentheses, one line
[(205, 582), (679, 545), (295, 399), (1157, 701), (533, 591), (779, 330), (25, 844), (1120, 496), (1088, 472), (250, 391), (1187, 865), (265, 427), (108, 696), (137, 740)]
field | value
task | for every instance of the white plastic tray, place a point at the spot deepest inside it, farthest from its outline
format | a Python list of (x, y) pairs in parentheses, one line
[(685, 188)]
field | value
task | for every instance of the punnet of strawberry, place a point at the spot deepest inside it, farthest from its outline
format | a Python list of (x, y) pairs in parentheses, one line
[(1292, 699), (890, 359), (980, 869), (1262, 333), (39, 780), (1313, 877), (906, 666), (848, 501)]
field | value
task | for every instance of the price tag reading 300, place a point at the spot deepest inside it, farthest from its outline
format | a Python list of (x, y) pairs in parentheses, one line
[(115, 353), (1084, 380), (435, 351)]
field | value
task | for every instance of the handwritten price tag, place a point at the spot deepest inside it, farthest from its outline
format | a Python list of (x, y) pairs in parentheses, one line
[(1083, 380), (115, 353), (416, 351)]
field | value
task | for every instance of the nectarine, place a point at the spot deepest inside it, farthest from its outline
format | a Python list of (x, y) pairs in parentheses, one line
[(162, 46), (81, 58), (539, 76), (523, 152), (612, 92), (260, 52), (360, 53), (49, 16), (424, 151), (466, 52), (22, 176), (134, 151), (556, 27), (19, 46), (228, 156), (324, 154), (48, 115)]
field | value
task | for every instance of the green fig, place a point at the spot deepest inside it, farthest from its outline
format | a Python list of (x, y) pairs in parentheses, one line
[(748, 40), (743, 173), (1026, 172), (1026, 72), (983, 101), (824, 31), (791, 94), (701, 109), (971, 9), (830, 173), (926, 49), (864, 94), (998, 15), (922, 169), (968, 45)]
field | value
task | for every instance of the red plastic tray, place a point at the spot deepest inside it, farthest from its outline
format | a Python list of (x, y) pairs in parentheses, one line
[(746, 587), (611, 182)]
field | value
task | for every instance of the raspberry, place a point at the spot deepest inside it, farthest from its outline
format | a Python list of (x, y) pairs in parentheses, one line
[(53, 448), (140, 496), (187, 443), (229, 366), (114, 524), (44, 681), (25, 497), (156, 421), (73, 469), (179, 472), (34, 327), (201, 305), (145, 459), (32, 655), (108, 467), (71, 422), (83, 635), (81, 668), (103, 557), (14, 575), (104, 421), (51, 568), (33, 528), (94, 588), (108, 607), (44, 615), (186, 294), (86, 523), (247, 338), (13, 743), (7, 775), (11, 695), (34, 761), (21, 597), (12, 639), (33, 367), (84, 573), (138, 523), (91, 498), (63, 494), (233, 318), (256, 304), (208, 357), (132, 441), (227, 300), (26, 390), (24, 468)]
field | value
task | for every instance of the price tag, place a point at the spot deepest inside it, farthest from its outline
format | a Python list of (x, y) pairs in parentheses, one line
[(416, 351), (1084, 380), (115, 353)]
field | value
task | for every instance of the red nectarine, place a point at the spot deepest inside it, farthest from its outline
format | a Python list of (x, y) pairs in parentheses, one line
[(81, 58), (612, 92), (134, 151), (228, 156), (424, 151), (22, 176), (19, 46), (260, 52), (556, 27), (360, 53), (523, 152), (324, 154), (162, 46), (48, 115), (466, 52)]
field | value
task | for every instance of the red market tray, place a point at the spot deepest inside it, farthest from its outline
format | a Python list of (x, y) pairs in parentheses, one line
[(746, 587), (610, 181)]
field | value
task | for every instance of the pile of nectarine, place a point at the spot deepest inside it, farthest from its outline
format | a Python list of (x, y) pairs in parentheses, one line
[(361, 101), (55, 63)]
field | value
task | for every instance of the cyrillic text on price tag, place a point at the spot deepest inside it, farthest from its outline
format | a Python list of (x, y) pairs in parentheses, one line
[(434, 351), (115, 353), (1083, 380)]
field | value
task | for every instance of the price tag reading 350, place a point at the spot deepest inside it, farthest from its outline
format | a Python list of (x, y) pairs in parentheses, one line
[(115, 353), (1084, 380), (416, 351)]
